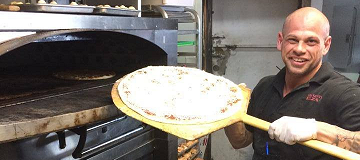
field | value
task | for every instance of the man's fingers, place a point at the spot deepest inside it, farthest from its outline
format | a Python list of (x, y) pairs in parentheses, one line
[(281, 135), (290, 140), (292, 129), (271, 131)]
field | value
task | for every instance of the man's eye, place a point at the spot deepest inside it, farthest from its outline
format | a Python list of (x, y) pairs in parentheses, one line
[(292, 40), (312, 42)]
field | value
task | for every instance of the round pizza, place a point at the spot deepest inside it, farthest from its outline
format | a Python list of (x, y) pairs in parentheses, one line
[(84, 74), (179, 95)]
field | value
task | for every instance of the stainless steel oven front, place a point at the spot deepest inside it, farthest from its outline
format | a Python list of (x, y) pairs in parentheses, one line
[(42, 117)]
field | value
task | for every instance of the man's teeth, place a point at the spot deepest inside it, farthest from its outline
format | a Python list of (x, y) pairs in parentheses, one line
[(298, 60)]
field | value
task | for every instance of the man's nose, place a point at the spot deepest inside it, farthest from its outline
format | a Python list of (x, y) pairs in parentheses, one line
[(300, 48)]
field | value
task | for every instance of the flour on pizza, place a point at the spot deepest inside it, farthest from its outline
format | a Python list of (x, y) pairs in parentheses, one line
[(179, 95)]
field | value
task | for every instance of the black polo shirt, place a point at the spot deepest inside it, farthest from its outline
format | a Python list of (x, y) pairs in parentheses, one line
[(328, 97)]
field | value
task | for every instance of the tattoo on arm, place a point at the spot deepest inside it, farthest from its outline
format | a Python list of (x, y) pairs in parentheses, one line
[(347, 139)]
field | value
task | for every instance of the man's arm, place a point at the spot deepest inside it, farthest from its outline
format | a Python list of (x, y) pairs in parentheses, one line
[(292, 129), (339, 137), (238, 136)]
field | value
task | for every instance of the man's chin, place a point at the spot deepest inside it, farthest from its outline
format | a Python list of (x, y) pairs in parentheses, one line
[(296, 71)]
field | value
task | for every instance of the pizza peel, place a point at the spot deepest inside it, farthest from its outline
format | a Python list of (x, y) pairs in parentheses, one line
[(195, 131)]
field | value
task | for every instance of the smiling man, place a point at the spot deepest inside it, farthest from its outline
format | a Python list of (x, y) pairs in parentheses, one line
[(303, 42), (306, 100)]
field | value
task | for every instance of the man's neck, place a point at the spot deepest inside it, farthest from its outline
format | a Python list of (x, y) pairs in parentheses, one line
[(293, 81)]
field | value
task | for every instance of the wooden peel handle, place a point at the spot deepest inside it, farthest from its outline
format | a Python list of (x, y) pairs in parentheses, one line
[(315, 144)]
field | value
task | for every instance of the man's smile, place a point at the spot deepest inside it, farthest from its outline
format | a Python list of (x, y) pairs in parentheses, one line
[(298, 59)]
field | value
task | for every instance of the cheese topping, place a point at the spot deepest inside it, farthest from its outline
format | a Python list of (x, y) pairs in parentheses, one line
[(180, 94)]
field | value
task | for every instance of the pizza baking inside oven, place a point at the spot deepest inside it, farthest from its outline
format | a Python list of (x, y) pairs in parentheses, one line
[(84, 74)]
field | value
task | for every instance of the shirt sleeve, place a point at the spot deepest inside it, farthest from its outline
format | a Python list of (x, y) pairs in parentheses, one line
[(258, 90)]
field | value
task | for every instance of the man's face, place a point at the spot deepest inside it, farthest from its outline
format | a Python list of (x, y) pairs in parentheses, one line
[(303, 43)]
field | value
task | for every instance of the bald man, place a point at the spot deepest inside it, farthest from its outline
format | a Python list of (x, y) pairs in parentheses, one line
[(306, 100)]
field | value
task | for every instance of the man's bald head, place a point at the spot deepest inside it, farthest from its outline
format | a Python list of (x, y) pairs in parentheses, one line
[(308, 16)]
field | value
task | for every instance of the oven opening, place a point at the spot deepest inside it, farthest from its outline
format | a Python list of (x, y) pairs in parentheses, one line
[(31, 93), (28, 72)]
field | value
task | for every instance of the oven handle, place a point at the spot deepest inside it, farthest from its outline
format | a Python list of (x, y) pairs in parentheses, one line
[(78, 153), (106, 123), (82, 132)]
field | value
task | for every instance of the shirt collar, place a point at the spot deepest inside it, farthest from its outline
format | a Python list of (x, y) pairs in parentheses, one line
[(320, 77), (323, 74), (279, 80)]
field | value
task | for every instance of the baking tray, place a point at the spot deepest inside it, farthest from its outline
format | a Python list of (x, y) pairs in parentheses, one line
[(116, 11), (57, 8)]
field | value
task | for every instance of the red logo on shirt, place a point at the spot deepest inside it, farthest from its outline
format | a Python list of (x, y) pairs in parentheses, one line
[(314, 97)]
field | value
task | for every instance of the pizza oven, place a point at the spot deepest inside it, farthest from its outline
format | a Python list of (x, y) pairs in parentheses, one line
[(44, 117)]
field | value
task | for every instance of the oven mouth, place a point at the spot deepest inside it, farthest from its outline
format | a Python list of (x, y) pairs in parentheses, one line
[(40, 112), (27, 72)]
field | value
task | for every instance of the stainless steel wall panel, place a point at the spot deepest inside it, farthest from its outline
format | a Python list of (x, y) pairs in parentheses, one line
[(27, 21)]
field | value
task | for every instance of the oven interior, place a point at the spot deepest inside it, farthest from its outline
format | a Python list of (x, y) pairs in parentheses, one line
[(27, 85), (28, 70)]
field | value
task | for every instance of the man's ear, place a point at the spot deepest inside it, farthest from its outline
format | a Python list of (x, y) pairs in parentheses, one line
[(327, 45), (279, 41)]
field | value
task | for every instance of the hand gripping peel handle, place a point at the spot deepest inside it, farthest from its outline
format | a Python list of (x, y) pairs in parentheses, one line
[(315, 144)]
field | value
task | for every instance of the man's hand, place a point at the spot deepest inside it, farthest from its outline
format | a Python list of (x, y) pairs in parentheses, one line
[(243, 87), (292, 129)]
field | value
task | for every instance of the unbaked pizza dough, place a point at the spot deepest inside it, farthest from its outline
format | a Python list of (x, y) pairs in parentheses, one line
[(73, 4), (121, 7), (179, 95), (41, 2), (131, 8), (16, 2)]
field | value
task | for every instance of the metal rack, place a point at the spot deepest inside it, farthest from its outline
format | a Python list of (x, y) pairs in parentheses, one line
[(183, 15)]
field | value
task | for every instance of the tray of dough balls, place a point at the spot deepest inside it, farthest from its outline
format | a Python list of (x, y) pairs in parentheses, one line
[(116, 10), (42, 6)]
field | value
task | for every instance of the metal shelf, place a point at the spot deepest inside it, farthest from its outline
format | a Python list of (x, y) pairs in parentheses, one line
[(188, 64), (183, 15), (186, 54), (185, 32)]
